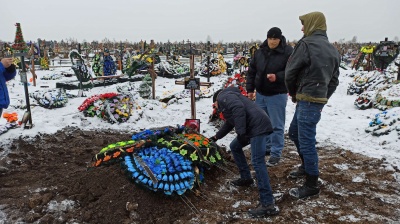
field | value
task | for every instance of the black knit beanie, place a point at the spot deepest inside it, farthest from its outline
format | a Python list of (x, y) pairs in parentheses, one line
[(216, 94), (274, 32)]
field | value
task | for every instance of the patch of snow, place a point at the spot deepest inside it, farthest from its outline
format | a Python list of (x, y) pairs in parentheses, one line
[(359, 179), (238, 203), (54, 206), (349, 218), (342, 166)]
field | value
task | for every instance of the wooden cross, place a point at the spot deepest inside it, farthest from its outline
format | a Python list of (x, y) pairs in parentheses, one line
[(121, 54), (168, 51), (192, 83), (153, 75), (32, 55), (208, 60)]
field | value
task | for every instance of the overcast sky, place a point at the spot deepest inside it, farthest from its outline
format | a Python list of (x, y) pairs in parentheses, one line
[(222, 20)]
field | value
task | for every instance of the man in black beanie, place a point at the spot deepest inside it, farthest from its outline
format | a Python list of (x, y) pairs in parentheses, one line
[(274, 32), (266, 76)]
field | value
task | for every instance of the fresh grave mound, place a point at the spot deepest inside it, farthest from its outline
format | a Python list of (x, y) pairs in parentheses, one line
[(168, 160)]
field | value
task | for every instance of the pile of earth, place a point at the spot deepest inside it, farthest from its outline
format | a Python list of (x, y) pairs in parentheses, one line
[(45, 180)]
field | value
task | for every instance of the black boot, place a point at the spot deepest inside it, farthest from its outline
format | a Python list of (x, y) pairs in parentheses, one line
[(299, 172), (262, 211), (309, 188)]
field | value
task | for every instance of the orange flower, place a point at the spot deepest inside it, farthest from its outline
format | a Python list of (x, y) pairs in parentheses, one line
[(116, 154), (205, 142), (196, 144), (11, 117), (98, 162), (188, 135), (106, 158)]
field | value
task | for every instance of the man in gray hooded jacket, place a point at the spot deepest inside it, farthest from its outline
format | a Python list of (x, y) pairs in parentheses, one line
[(311, 77)]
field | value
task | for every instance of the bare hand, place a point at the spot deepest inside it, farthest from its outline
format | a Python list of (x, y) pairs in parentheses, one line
[(7, 62), (250, 96), (271, 77)]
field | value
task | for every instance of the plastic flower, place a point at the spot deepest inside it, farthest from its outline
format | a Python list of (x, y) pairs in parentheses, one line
[(212, 159), (183, 152), (194, 157), (218, 156), (11, 117)]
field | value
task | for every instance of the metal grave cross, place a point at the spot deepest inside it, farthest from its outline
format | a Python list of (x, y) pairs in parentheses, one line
[(27, 117)]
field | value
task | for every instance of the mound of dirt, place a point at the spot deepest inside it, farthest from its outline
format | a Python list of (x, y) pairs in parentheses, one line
[(45, 180)]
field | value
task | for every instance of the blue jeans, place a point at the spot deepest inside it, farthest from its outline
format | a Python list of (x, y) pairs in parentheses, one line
[(257, 145), (275, 107), (302, 132)]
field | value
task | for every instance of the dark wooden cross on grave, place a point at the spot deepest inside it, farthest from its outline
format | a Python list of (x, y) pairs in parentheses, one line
[(120, 55), (192, 83), (150, 70), (153, 75), (31, 53)]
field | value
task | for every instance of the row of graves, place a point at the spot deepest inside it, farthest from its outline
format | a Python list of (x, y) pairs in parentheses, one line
[(348, 51), (371, 57), (102, 70), (379, 88), (171, 159)]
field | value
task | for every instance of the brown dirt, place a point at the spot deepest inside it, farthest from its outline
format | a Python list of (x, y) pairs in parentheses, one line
[(39, 175)]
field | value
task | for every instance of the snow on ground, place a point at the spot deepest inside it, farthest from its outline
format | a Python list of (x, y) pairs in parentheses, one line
[(341, 125)]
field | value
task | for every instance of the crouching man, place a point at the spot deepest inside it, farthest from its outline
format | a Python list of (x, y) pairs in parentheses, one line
[(253, 126)]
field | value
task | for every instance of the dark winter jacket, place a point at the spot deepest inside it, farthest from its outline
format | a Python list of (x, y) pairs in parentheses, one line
[(268, 61), (6, 74), (242, 114), (312, 72)]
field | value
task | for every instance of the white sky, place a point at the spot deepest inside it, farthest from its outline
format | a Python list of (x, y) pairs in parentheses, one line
[(177, 20)]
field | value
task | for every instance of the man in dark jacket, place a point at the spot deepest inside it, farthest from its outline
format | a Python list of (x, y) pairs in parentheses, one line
[(312, 74), (266, 75), (252, 125), (7, 72)]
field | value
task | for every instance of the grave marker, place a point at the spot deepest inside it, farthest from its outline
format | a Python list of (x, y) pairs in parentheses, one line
[(192, 83), (32, 54)]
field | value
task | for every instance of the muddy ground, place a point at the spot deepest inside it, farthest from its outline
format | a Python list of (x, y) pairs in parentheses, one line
[(45, 180)]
